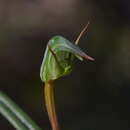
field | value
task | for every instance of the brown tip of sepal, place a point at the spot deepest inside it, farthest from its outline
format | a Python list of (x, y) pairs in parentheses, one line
[(88, 57)]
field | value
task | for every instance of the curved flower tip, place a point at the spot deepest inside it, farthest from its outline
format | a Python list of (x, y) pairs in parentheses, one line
[(89, 57)]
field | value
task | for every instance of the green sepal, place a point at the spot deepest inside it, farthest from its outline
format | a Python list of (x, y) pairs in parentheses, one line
[(58, 58)]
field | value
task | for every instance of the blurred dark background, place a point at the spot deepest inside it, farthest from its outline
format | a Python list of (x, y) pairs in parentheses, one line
[(96, 96)]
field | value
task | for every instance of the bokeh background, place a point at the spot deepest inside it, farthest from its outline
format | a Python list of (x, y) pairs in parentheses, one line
[(96, 96)]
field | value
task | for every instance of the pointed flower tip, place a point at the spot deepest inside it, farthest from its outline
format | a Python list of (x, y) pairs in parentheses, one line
[(89, 58)]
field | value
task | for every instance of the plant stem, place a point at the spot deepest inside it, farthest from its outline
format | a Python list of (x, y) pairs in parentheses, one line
[(18, 118), (50, 104)]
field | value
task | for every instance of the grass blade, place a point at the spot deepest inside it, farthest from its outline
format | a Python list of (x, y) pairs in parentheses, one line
[(17, 117)]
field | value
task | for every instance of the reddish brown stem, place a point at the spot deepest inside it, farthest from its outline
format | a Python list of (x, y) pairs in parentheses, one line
[(50, 104)]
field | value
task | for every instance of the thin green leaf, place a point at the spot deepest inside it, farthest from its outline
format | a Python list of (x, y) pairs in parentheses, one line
[(18, 118)]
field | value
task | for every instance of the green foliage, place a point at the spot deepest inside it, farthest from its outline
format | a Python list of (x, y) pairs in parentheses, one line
[(15, 115)]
